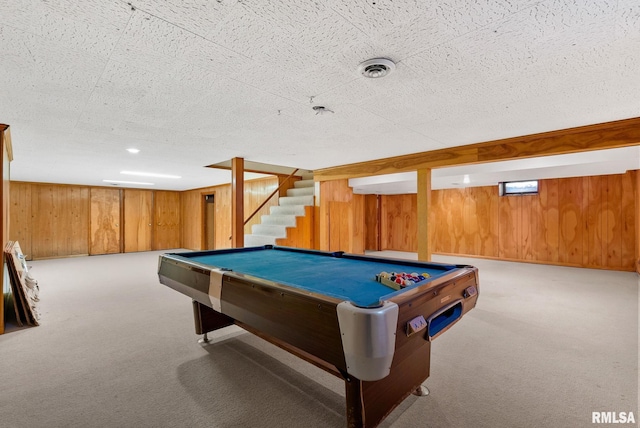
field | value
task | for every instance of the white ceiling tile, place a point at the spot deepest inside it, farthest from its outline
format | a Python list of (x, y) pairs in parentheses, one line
[(199, 17)]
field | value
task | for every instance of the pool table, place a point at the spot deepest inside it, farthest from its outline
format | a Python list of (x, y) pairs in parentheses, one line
[(331, 309)]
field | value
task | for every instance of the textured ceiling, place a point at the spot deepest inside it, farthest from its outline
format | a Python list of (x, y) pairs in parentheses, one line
[(196, 82)]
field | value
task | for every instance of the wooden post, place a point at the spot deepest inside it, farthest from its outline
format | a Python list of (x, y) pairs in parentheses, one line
[(237, 202), (424, 207), (7, 156)]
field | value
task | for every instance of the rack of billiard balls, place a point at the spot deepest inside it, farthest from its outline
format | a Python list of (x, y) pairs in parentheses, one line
[(400, 280)]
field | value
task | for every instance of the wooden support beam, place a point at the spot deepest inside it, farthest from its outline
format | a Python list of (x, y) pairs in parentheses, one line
[(237, 202), (609, 135), (6, 152), (424, 207)]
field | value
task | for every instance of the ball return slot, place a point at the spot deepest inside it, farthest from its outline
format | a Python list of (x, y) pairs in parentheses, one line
[(441, 320)]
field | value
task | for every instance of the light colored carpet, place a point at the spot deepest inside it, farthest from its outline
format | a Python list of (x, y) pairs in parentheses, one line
[(545, 347)]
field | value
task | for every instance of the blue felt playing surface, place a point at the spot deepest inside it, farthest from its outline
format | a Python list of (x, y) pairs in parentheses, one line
[(342, 278)]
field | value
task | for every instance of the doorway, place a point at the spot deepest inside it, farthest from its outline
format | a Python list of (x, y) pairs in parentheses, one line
[(209, 222)]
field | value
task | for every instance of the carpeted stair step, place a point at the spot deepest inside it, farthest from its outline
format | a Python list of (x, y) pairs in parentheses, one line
[(296, 210), (275, 230), (259, 240), (304, 183), (296, 200), (301, 191), (280, 219)]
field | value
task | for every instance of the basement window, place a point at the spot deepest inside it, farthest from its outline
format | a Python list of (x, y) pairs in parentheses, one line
[(508, 188)]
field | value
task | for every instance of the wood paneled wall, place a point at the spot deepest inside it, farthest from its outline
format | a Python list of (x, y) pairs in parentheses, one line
[(372, 222), (465, 221), (166, 220), (106, 213), (584, 221), (138, 227), (57, 220), (341, 223), (399, 228)]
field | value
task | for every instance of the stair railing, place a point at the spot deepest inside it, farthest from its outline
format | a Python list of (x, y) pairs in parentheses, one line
[(270, 196)]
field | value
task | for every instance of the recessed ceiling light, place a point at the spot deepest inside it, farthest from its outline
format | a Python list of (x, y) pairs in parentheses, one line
[(376, 67), (128, 182), (132, 150), (466, 180), (149, 174)]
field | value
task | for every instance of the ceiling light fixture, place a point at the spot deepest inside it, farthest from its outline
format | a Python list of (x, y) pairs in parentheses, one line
[(321, 109), (465, 179), (149, 174), (134, 151), (128, 182), (376, 67)]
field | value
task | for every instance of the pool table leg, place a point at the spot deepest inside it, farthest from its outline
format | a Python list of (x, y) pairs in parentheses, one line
[(204, 339), (355, 403), (421, 391), (206, 320), (369, 402)]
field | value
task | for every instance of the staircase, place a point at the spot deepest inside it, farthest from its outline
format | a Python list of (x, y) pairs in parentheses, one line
[(273, 226)]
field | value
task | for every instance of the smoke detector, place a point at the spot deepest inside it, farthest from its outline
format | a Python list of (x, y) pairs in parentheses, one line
[(376, 67)]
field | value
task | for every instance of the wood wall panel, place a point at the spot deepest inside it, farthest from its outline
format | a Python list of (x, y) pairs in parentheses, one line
[(60, 224), (223, 217), (479, 220), (630, 219), (372, 222), (510, 227), (20, 218), (438, 220), (346, 226), (138, 220), (463, 221), (166, 220), (398, 222), (339, 191), (545, 228), (105, 221), (526, 229), (614, 222), (339, 229), (191, 209), (570, 210), (594, 238)]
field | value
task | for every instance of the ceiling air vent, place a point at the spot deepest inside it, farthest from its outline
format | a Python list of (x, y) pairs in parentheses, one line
[(376, 67)]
